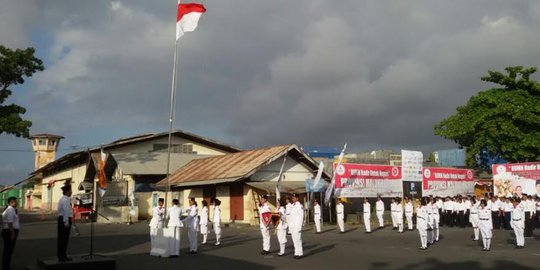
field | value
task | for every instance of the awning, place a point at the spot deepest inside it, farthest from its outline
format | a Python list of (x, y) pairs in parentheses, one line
[(286, 187)]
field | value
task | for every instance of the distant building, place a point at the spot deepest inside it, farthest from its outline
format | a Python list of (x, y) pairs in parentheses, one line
[(450, 157), (321, 151), (133, 165)]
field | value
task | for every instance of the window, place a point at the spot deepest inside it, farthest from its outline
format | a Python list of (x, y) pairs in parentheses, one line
[(175, 148), (52, 142), (41, 142)]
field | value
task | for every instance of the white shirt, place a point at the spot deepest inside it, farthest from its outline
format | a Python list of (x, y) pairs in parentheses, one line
[(367, 208), (191, 219), (439, 204), (379, 206), (216, 217), (64, 209), (10, 216), (518, 217), (174, 216), (157, 217), (421, 217), (340, 210), (508, 207), (283, 218), (408, 208), (393, 207), (317, 210), (448, 206), (264, 209), (203, 216), (296, 217)]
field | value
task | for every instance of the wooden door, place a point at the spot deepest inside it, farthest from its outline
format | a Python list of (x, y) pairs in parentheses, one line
[(237, 201)]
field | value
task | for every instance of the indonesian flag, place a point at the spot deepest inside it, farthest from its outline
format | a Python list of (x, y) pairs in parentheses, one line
[(102, 183), (187, 17)]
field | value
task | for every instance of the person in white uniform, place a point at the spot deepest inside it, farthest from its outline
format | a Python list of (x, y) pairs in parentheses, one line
[(264, 222), (203, 221), (295, 221), (409, 209), (10, 231), (399, 215), (379, 211), (317, 217), (422, 223), (393, 215), (216, 221), (281, 229), (65, 221), (174, 224), (367, 215), (191, 222), (485, 225), (429, 210), (518, 223), (340, 215), (156, 229), (436, 219), (473, 219)]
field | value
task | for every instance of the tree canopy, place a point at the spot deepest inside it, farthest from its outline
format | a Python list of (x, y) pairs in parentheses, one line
[(502, 121), (14, 66)]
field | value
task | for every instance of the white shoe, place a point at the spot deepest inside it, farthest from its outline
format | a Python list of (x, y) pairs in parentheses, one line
[(218, 243)]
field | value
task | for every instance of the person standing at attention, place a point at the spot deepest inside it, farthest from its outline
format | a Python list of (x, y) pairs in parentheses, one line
[(65, 219), (10, 231)]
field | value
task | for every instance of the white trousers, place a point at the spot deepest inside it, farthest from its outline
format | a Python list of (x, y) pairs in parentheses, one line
[(341, 224), (393, 215), (436, 220), (423, 236), (409, 220), (367, 222), (266, 238), (317, 219), (192, 235), (174, 241), (474, 222), (282, 239), (217, 231), (296, 234), (519, 232), (380, 218), (399, 221), (486, 232)]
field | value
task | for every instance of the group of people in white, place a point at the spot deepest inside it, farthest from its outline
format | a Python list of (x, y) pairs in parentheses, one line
[(165, 241), (289, 216), (516, 213)]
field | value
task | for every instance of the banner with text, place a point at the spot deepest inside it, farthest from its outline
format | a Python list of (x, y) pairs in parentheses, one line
[(367, 180), (444, 182), (516, 179), (411, 164)]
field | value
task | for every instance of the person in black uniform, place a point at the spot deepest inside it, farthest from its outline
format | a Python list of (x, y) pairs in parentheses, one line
[(65, 216)]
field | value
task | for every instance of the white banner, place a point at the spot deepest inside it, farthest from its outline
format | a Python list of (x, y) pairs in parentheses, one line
[(411, 165)]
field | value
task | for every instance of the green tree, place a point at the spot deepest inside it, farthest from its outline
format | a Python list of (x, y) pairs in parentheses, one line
[(503, 121), (14, 65)]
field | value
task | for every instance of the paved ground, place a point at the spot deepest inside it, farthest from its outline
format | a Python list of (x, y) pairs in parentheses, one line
[(383, 249)]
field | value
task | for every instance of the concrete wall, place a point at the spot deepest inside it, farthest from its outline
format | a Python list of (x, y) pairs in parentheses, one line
[(293, 171), (51, 195), (147, 146), (145, 202)]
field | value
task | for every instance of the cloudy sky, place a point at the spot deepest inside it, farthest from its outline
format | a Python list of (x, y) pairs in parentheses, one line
[(375, 74)]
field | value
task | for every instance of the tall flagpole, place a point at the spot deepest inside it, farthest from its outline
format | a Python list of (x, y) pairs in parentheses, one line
[(171, 120)]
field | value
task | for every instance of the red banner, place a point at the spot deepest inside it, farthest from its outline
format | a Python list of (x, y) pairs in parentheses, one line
[(366, 180), (516, 179), (447, 182)]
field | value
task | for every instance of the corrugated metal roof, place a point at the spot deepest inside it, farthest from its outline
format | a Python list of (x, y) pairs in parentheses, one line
[(233, 167), (151, 163)]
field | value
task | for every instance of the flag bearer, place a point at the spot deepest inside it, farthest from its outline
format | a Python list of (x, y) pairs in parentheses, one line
[(264, 222), (518, 223), (485, 225), (340, 213), (295, 221), (422, 222), (216, 221), (191, 221), (379, 209), (174, 224), (203, 221), (317, 215), (409, 213), (282, 227)]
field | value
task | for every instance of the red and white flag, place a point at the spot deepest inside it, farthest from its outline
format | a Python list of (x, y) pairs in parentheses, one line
[(187, 17), (102, 183)]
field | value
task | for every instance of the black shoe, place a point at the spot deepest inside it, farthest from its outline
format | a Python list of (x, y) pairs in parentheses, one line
[(298, 257), (264, 252), (192, 252), (66, 259), (173, 256), (281, 254)]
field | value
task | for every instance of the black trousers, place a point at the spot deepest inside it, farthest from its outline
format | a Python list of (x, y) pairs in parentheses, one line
[(449, 218), (63, 238), (507, 218), (495, 220), (461, 219), (9, 246), (528, 225)]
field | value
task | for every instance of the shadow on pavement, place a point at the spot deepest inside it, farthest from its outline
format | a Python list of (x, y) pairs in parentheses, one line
[(434, 264)]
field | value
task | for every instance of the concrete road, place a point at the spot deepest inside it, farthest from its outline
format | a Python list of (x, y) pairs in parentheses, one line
[(382, 249)]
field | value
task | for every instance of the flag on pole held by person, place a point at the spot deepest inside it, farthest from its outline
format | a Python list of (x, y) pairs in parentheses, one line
[(329, 191), (102, 183), (187, 17), (280, 175)]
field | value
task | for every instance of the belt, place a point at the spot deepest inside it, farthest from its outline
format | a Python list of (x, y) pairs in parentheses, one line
[(516, 219), (474, 213), (484, 219), (408, 211), (429, 214), (421, 218), (367, 213), (339, 213), (379, 210), (395, 211)]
